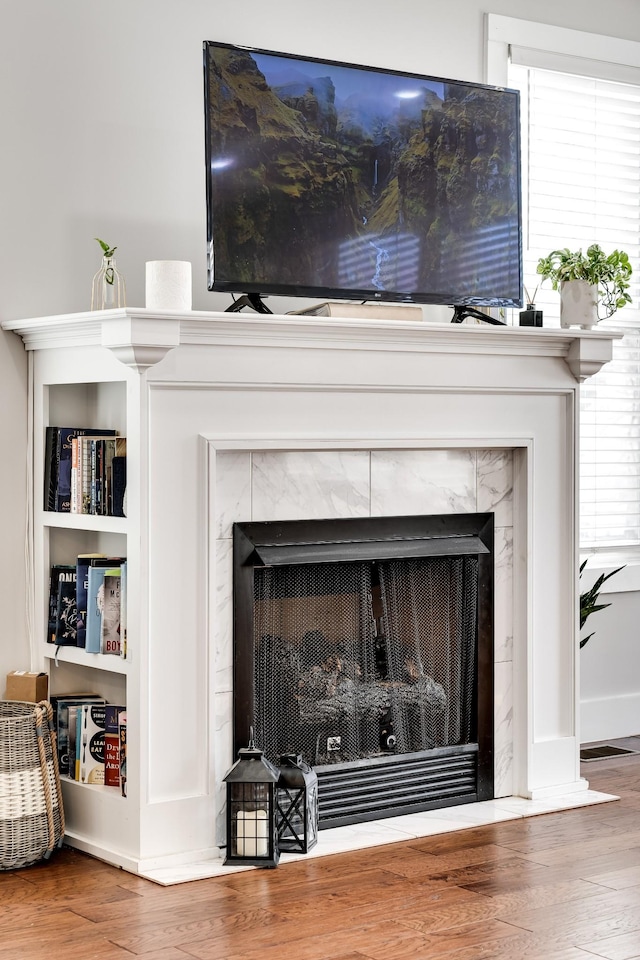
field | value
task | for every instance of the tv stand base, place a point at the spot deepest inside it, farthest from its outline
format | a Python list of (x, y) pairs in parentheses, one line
[(461, 312), (252, 300)]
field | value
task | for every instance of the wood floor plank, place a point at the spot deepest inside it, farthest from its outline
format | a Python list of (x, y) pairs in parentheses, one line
[(618, 879), (625, 946)]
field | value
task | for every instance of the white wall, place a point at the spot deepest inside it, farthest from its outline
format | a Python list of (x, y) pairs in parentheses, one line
[(610, 661), (102, 135)]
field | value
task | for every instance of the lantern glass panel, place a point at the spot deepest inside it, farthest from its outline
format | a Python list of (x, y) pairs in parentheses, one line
[(297, 806), (249, 809)]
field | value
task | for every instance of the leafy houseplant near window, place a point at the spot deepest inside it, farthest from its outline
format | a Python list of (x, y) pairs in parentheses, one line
[(587, 280), (589, 599)]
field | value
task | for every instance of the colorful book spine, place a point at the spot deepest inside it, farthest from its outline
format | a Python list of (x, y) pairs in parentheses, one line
[(90, 734), (122, 732), (95, 601), (112, 745), (123, 609), (110, 627), (66, 609), (83, 563), (57, 570), (118, 485)]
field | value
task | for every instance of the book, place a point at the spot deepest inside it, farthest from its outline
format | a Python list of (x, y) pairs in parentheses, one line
[(66, 609), (50, 467), (112, 744), (122, 732), (111, 760), (95, 581), (72, 725), (82, 584), (75, 475), (57, 570), (110, 626), (61, 706), (84, 457), (95, 600), (114, 447), (90, 741), (93, 475), (123, 609), (118, 485)]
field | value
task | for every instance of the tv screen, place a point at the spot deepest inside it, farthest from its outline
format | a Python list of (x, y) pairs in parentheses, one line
[(331, 180)]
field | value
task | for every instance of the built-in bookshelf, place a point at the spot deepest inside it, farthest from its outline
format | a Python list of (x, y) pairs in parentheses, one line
[(86, 374), (59, 538)]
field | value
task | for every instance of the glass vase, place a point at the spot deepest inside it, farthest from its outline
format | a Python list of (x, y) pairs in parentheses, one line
[(107, 289)]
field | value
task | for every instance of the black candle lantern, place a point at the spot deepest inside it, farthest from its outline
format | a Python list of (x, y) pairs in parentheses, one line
[(251, 809), (297, 805)]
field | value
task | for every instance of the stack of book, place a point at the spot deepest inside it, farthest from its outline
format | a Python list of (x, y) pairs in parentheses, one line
[(91, 739), (88, 604), (85, 471)]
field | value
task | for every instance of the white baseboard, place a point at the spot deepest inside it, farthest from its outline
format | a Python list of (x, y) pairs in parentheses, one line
[(610, 718)]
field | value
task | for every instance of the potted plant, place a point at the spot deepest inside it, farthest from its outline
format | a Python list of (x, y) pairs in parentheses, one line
[(589, 599), (587, 280), (107, 289)]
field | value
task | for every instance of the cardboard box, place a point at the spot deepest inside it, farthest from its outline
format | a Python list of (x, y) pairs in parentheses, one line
[(22, 685)]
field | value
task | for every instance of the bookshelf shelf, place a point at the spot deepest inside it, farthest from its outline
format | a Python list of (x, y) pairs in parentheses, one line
[(107, 793), (92, 661), (77, 521)]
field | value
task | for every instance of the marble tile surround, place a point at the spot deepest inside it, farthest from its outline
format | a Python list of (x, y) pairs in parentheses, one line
[(311, 484)]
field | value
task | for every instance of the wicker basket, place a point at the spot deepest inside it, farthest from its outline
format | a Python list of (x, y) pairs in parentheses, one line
[(31, 811)]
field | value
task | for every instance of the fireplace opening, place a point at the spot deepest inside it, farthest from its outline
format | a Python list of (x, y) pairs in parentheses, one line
[(366, 646)]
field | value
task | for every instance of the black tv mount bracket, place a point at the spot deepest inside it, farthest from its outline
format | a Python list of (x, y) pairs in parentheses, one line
[(461, 312)]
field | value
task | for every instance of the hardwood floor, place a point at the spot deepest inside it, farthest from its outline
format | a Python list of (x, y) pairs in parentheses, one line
[(562, 886)]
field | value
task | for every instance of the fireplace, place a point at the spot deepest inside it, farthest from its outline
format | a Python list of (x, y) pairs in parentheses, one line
[(282, 418), (366, 645)]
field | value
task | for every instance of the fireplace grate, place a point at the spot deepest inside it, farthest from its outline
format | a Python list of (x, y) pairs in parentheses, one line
[(398, 785)]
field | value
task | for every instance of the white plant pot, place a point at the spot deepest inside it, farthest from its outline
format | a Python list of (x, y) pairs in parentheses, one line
[(578, 304)]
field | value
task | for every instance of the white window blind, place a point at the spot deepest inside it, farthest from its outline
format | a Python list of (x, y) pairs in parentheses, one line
[(581, 184)]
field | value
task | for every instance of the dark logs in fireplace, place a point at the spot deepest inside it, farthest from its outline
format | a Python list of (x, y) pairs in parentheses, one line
[(366, 645)]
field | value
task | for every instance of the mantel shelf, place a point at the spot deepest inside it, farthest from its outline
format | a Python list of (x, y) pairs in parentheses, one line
[(141, 338)]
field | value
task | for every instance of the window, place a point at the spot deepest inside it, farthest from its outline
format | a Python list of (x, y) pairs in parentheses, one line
[(581, 184)]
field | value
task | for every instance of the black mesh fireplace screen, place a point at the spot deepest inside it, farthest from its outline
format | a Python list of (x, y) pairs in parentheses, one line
[(365, 659), (366, 645)]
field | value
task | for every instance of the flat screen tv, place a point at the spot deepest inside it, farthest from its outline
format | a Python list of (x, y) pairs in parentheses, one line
[(334, 181)]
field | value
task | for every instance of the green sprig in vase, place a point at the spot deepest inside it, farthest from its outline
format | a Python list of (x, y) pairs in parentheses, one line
[(107, 288)]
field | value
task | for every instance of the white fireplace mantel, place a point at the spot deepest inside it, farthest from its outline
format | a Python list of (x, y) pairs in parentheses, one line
[(141, 338), (243, 417)]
